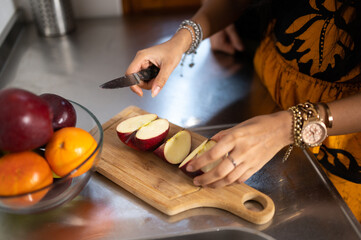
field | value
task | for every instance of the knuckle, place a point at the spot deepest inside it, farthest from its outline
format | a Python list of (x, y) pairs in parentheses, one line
[(222, 132), (218, 173), (239, 180), (140, 52), (247, 175), (212, 153), (228, 179), (161, 81), (233, 137)]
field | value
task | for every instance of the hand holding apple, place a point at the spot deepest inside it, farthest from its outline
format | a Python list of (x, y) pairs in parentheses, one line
[(143, 131), (201, 149)]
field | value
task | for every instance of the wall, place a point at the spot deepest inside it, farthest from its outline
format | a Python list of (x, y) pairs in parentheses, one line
[(7, 10)]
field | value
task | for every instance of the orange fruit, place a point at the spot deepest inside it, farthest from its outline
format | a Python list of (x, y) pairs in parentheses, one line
[(68, 148), (24, 172)]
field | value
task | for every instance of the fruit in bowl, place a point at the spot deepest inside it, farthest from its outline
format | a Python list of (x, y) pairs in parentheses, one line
[(39, 175), (25, 121), (64, 114), (24, 172), (68, 148)]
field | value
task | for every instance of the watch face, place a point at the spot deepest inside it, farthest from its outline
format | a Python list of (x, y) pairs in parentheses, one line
[(313, 133)]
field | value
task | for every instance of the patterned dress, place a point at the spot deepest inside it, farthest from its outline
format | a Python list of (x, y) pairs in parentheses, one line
[(308, 55)]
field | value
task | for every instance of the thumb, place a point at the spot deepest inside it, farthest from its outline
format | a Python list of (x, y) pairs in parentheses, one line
[(160, 80)]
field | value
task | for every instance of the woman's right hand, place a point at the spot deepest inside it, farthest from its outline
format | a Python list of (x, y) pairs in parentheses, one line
[(166, 56)]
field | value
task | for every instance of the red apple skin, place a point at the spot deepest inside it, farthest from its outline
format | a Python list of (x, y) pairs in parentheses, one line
[(64, 114), (127, 139), (149, 144), (25, 120), (159, 152)]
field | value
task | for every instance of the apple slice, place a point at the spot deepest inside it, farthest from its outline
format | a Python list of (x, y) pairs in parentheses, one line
[(151, 135), (201, 149), (208, 146), (175, 149), (128, 127)]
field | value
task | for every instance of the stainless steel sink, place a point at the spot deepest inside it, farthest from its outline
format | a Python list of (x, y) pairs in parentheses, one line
[(219, 234)]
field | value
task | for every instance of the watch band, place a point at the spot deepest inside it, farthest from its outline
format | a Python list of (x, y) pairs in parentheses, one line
[(309, 110), (329, 117), (302, 115), (297, 126)]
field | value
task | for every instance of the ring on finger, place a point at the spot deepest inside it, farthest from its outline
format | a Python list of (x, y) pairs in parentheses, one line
[(230, 158)]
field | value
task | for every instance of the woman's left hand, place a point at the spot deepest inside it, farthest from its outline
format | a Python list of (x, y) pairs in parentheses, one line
[(250, 144)]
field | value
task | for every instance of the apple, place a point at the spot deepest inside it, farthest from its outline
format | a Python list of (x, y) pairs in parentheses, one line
[(127, 128), (25, 120), (64, 114), (175, 149), (151, 135), (201, 149)]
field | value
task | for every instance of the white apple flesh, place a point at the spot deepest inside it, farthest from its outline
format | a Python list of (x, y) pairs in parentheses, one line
[(175, 149), (201, 149), (207, 147), (128, 127), (151, 135)]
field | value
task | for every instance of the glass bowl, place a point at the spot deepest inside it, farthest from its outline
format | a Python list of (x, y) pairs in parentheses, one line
[(62, 189)]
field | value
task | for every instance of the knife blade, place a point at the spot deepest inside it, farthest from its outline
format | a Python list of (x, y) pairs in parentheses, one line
[(144, 75)]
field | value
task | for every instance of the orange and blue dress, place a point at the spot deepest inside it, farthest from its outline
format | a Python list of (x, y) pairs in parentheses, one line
[(309, 55)]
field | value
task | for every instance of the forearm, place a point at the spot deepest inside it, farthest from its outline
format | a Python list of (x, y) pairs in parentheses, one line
[(213, 16), (346, 115)]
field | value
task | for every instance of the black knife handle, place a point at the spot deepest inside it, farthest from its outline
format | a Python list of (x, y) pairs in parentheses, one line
[(149, 73)]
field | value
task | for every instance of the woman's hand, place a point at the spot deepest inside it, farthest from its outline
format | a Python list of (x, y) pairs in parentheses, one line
[(227, 41), (166, 56), (250, 144)]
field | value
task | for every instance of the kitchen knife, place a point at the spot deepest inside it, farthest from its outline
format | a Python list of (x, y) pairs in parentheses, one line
[(144, 75)]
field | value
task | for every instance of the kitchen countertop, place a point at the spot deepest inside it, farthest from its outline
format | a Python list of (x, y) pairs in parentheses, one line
[(218, 92)]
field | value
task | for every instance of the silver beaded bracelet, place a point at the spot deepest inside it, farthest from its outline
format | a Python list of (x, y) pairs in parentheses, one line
[(197, 37), (191, 48)]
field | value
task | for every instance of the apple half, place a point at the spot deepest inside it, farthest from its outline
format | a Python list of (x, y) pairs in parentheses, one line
[(151, 135), (128, 127), (176, 148), (201, 149)]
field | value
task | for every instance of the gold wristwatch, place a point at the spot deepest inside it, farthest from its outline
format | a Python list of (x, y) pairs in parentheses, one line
[(309, 128), (314, 130)]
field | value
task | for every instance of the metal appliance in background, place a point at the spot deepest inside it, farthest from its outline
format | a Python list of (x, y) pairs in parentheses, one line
[(53, 18)]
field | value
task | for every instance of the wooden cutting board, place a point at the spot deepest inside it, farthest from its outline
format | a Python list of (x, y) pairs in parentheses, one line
[(166, 187)]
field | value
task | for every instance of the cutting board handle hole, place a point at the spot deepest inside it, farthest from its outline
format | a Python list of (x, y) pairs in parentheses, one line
[(253, 205)]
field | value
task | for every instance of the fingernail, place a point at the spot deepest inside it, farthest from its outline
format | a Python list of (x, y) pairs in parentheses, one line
[(195, 182), (155, 91), (139, 92), (190, 168)]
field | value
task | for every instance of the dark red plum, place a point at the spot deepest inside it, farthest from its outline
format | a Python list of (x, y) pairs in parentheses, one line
[(64, 114)]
